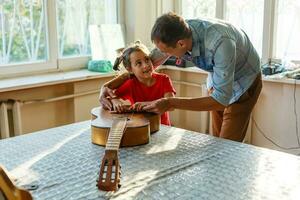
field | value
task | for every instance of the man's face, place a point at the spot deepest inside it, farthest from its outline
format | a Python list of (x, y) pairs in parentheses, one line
[(179, 50)]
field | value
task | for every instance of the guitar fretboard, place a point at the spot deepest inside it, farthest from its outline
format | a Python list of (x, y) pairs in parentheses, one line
[(116, 133)]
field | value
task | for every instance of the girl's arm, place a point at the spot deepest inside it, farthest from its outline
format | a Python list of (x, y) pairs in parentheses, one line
[(139, 106)]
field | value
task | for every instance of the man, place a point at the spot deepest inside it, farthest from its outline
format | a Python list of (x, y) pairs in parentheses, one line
[(234, 80)]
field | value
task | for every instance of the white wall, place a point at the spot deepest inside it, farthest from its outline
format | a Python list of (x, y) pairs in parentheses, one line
[(140, 16), (276, 117)]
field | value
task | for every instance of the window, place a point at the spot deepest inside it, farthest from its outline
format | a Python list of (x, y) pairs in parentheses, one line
[(73, 24), (248, 15), (287, 29), (22, 32), (198, 8), (39, 35), (271, 25)]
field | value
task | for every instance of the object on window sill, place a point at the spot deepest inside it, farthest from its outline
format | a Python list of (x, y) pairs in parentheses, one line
[(273, 68), (293, 74), (100, 66)]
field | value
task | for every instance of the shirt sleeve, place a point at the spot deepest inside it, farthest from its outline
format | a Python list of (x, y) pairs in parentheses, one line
[(124, 91), (223, 71), (168, 86)]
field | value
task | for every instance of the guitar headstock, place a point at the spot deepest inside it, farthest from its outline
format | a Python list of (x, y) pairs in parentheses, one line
[(109, 176)]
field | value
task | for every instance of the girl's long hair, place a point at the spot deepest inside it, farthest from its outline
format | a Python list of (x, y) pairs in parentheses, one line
[(124, 57)]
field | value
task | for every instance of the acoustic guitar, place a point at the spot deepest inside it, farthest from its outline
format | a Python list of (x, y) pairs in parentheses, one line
[(8, 191), (139, 126), (115, 130)]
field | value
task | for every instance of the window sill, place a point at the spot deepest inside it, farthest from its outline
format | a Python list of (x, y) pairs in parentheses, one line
[(271, 79), (26, 82)]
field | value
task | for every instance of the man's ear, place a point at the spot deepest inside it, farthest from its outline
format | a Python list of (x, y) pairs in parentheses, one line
[(181, 43)]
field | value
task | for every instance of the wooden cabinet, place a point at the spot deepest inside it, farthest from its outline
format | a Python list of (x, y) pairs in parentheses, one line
[(49, 105), (189, 83)]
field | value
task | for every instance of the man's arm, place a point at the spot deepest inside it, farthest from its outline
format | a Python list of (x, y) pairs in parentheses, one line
[(224, 69), (117, 81), (195, 104), (107, 90)]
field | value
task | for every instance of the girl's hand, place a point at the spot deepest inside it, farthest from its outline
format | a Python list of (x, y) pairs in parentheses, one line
[(120, 105), (139, 106)]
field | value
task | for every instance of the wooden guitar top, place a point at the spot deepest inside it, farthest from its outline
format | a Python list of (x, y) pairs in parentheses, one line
[(138, 128)]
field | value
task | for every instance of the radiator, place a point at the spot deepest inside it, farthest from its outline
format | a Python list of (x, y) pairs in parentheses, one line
[(15, 106), (5, 107)]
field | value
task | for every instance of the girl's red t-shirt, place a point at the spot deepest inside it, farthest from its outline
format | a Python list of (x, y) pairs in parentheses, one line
[(135, 91)]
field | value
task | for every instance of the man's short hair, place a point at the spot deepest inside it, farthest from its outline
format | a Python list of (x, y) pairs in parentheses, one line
[(169, 28)]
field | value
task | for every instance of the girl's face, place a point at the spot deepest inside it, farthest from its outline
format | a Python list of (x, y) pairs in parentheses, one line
[(141, 65)]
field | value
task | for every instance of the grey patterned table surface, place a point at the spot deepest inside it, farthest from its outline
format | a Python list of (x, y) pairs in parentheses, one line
[(176, 164)]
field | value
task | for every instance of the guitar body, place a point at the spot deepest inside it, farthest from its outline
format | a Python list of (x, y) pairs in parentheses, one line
[(138, 127)]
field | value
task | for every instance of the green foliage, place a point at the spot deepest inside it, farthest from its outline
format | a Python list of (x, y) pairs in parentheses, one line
[(29, 17), (72, 27)]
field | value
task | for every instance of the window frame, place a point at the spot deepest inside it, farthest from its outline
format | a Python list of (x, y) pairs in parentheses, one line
[(53, 62), (269, 27)]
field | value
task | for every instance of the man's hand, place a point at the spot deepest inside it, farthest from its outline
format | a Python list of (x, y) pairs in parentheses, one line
[(158, 106), (108, 89), (105, 97)]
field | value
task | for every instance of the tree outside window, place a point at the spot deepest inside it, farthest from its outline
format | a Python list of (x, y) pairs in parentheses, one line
[(22, 31)]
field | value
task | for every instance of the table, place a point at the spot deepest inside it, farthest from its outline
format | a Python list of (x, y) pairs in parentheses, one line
[(176, 164)]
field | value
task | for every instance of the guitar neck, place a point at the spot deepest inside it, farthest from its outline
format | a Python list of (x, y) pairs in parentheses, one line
[(116, 133)]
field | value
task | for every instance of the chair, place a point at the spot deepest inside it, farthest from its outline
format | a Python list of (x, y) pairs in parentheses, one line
[(9, 191)]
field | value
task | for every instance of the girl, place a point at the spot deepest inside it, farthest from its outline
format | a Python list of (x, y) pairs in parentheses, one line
[(143, 86)]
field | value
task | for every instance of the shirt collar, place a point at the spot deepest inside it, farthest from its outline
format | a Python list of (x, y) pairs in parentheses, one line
[(195, 42)]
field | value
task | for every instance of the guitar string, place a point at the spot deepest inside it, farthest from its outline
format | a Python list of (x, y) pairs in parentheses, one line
[(119, 137), (114, 141)]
